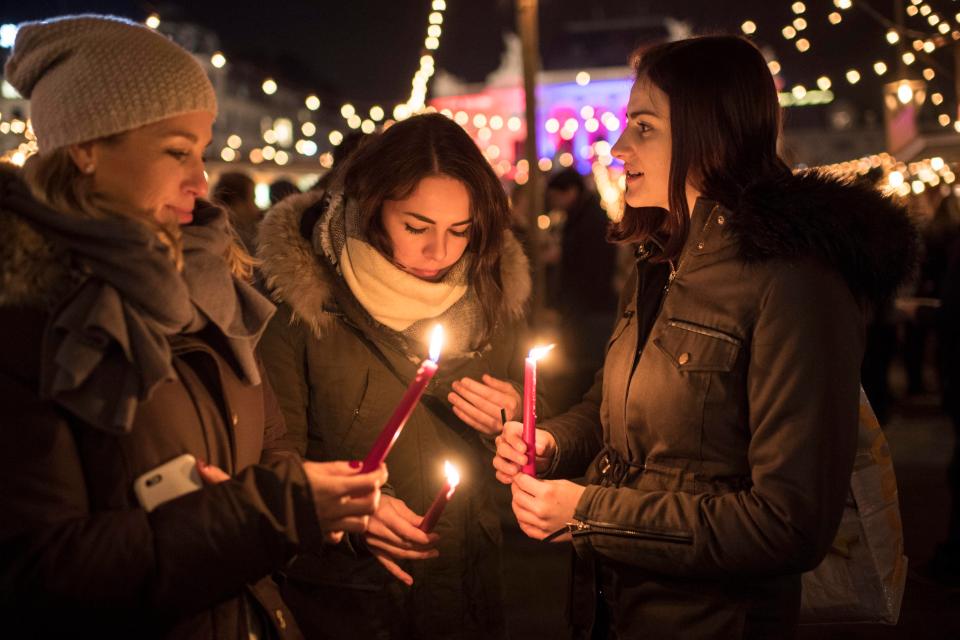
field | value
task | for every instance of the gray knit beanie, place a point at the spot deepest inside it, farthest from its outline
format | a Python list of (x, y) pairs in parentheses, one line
[(92, 76)]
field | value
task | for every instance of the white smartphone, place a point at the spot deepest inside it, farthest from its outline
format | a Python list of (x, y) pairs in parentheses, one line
[(168, 481)]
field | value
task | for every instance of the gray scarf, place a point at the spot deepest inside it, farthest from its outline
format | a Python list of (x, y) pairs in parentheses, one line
[(106, 347)]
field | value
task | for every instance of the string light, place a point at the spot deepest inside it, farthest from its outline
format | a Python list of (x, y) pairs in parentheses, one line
[(218, 60), (749, 27)]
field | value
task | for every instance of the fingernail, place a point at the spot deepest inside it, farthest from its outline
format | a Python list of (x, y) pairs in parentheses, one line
[(355, 464)]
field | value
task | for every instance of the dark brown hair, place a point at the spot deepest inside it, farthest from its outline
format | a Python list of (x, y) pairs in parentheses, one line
[(391, 165), (724, 125)]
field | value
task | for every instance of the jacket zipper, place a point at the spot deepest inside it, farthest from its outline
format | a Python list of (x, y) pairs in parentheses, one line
[(582, 527), (675, 268)]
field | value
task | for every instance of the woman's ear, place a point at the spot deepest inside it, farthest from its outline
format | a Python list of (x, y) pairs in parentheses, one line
[(84, 156)]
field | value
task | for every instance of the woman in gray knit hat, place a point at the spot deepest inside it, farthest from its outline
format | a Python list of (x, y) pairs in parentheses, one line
[(128, 342)]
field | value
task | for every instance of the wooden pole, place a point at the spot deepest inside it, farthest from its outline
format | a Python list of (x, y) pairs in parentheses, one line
[(527, 15)]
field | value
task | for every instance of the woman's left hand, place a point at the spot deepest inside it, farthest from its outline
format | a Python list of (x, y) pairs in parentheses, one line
[(544, 506), (479, 403)]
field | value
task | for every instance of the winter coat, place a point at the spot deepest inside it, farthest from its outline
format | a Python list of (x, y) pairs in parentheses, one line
[(718, 453), (338, 380), (78, 555)]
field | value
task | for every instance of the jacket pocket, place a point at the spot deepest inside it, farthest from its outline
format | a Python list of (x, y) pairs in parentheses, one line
[(695, 347)]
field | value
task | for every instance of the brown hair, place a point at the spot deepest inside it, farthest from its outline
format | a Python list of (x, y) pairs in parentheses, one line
[(55, 180), (724, 125), (391, 165)]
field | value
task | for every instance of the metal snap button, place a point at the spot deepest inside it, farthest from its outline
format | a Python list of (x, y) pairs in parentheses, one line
[(700, 245), (684, 358), (721, 219)]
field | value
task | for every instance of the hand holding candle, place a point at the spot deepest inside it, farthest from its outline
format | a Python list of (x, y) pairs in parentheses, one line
[(443, 497), (530, 406), (391, 430)]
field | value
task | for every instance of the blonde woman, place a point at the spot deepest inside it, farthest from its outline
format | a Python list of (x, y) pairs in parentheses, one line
[(129, 337)]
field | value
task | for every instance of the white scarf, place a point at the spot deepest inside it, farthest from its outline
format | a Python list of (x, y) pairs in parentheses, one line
[(392, 296)]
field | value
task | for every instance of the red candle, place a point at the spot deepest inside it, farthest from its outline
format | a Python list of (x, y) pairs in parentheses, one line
[(391, 430), (530, 407), (446, 492)]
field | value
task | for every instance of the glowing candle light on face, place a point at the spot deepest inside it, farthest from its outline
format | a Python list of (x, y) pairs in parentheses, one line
[(530, 407), (391, 430), (443, 497)]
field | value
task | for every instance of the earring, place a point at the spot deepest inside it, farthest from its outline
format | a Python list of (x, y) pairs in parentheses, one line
[(89, 169)]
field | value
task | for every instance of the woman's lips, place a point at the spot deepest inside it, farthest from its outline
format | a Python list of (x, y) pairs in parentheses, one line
[(424, 273), (182, 216)]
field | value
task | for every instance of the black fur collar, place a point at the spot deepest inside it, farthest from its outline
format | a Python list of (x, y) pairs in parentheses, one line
[(867, 237)]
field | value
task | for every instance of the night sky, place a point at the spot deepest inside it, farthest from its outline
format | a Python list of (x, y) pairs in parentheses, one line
[(367, 50)]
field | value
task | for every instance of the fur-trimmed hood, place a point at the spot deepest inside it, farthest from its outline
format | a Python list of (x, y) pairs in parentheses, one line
[(33, 271), (295, 274), (848, 225)]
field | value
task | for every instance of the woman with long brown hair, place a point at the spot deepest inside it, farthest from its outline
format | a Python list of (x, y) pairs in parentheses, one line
[(412, 231), (719, 441), (128, 370)]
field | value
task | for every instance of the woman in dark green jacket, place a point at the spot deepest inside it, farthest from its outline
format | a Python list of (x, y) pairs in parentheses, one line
[(411, 233)]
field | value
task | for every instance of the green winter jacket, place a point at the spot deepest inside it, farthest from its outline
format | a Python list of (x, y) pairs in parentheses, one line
[(338, 378)]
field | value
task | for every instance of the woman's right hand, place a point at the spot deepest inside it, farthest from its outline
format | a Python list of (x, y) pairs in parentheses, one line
[(394, 535), (512, 451), (343, 497)]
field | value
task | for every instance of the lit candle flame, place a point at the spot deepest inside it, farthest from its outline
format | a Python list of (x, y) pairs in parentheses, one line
[(453, 477), (436, 342), (538, 352)]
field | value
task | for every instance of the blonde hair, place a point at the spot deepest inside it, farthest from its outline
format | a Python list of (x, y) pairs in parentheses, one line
[(55, 180)]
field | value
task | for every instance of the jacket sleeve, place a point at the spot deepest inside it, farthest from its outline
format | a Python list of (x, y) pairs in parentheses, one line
[(61, 554), (283, 350), (802, 393), (277, 445)]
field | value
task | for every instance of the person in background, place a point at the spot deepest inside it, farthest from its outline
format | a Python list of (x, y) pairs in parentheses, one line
[(235, 191), (280, 189), (584, 295), (129, 335)]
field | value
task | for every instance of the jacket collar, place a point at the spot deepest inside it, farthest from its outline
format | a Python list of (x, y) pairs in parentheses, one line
[(296, 275), (846, 225)]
